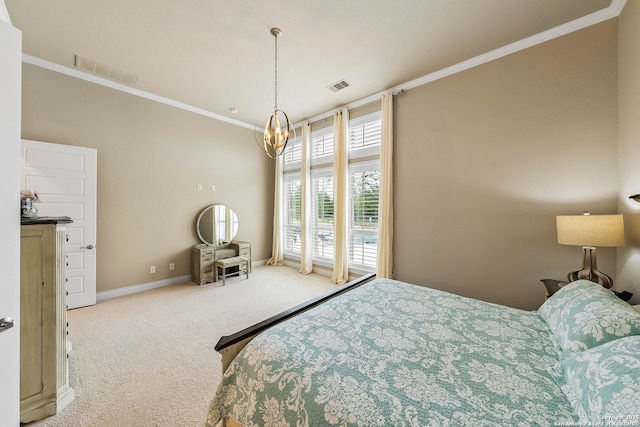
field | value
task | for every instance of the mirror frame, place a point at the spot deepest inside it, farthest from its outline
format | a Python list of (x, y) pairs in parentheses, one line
[(220, 242)]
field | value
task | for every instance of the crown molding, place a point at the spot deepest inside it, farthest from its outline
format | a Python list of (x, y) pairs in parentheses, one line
[(617, 6), (613, 11), (79, 74), (4, 13)]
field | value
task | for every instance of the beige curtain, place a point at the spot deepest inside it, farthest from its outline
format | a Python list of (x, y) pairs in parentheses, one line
[(306, 239), (228, 224), (277, 251), (214, 225), (340, 195), (385, 206)]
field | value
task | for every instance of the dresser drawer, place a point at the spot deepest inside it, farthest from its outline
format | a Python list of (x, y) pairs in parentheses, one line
[(244, 250), (225, 253)]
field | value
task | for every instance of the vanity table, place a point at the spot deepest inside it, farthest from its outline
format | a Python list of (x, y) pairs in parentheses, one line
[(216, 227)]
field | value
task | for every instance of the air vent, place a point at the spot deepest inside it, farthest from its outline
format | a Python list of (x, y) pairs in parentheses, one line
[(337, 86), (105, 71)]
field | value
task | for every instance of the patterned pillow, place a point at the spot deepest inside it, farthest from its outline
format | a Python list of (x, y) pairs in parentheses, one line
[(603, 383), (583, 315)]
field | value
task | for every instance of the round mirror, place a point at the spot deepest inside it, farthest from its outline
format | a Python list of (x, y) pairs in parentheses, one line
[(217, 224)]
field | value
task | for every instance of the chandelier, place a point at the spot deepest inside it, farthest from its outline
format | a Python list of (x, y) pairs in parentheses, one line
[(277, 128)]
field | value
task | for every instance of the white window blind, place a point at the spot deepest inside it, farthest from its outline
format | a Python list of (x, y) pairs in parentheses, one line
[(322, 224), (293, 153), (364, 192), (365, 139), (365, 135), (292, 213), (322, 146)]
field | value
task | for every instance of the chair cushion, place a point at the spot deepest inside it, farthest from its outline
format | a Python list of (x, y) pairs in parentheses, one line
[(229, 262)]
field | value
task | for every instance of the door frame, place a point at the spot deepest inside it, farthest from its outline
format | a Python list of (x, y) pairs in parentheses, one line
[(10, 130), (78, 164)]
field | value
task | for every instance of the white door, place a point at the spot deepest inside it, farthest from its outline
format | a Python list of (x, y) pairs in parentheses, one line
[(10, 88), (64, 177)]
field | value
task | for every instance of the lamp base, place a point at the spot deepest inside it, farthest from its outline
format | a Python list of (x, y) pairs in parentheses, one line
[(590, 270)]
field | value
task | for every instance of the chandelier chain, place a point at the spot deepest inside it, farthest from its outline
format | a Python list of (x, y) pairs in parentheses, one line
[(275, 101)]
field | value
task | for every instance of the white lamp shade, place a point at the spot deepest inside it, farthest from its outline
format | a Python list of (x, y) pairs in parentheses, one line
[(590, 230)]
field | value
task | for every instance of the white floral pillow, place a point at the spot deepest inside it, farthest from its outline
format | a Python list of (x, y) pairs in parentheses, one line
[(583, 315), (603, 383)]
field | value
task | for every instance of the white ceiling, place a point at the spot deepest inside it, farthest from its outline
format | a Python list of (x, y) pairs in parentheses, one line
[(218, 54)]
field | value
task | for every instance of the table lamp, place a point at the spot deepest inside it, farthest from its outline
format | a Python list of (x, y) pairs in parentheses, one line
[(590, 231)]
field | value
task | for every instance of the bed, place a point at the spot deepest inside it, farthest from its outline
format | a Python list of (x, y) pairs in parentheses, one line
[(388, 353)]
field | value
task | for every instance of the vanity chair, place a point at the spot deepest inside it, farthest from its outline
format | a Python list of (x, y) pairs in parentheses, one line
[(218, 256)]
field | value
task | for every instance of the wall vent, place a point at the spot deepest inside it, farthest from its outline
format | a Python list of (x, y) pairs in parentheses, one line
[(105, 71), (337, 86)]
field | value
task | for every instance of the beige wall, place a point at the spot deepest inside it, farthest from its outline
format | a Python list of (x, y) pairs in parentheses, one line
[(150, 159), (629, 145), (485, 160)]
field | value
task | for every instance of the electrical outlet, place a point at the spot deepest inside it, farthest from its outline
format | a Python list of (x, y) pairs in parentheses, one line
[(172, 266), (152, 269)]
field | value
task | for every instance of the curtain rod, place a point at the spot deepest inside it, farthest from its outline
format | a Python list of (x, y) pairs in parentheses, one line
[(359, 103), (614, 10)]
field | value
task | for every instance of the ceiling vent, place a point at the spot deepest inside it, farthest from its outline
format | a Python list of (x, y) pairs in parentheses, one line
[(105, 71), (337, 86)]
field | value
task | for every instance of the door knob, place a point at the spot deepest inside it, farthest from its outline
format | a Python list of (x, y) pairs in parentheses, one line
[(6, 323), (87, 247)]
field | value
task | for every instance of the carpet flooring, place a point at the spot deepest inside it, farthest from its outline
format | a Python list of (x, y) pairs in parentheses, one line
[(148, 359)]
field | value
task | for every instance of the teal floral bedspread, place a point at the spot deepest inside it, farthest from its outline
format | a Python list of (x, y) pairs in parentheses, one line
[(395, 354)]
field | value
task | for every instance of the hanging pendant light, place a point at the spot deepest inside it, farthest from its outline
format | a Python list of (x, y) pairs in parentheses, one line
[(277, 127)]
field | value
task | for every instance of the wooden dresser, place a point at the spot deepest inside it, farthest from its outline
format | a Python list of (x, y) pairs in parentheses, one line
[(204, 256), (44, 367)]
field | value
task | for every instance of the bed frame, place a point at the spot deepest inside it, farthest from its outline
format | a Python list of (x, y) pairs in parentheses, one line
[(230, 345)]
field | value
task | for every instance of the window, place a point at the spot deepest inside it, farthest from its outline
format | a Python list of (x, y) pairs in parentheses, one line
[(365, 131), (322, 146), (292, 213), (322, 194), (293, 153), (365, 138), (364, 192), (322, 224), (292, 195)]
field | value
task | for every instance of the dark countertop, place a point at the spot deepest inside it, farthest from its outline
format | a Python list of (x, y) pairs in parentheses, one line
[(46, 220)]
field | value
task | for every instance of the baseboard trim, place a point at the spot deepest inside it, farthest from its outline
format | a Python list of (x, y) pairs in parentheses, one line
[(258, 263), (134, 289), (324, 270)]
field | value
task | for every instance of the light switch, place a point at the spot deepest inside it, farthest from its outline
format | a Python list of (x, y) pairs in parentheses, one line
[(199, 187), (213, 188)]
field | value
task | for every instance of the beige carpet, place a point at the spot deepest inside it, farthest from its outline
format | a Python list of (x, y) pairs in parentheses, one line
[(148, 359)]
